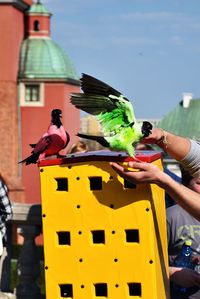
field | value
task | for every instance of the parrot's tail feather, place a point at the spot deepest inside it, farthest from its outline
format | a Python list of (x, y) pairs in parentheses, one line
[(101, 140), (32, 159)]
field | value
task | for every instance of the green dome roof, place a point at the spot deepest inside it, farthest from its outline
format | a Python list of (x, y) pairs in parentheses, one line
[(38, 8), (43, 58)]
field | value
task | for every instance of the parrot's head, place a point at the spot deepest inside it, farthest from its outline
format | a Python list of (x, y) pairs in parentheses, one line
[(56, 115), (146, 128)]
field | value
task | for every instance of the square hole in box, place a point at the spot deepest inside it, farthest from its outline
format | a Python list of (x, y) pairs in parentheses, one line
[(62, 184), (101, 290), (64, 238), (135, 289), (98, 236), (66, 290), (95, 183), (132, 235), (129, 185)]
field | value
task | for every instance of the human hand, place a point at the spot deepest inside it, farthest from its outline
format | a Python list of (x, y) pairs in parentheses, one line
[(184, 277), (142, 172), (156, 135)]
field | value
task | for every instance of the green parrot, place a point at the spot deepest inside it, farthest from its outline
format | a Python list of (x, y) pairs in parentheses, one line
[(121, 131)]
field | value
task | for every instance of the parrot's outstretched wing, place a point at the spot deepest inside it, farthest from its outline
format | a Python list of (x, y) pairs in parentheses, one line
[(92, 85), (111, 108)]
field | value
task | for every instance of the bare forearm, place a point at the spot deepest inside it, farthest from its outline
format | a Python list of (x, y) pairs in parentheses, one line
[(184, 277), (148, 173), (185, 197), (172, 271), (176, 146), (184, 150)]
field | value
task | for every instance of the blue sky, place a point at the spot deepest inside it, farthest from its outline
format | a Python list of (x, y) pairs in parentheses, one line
[(147, 49)]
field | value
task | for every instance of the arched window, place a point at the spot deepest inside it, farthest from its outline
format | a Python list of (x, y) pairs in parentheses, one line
[(36, 25)]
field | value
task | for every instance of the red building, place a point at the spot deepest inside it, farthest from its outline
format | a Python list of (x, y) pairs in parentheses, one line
[(36, 76)]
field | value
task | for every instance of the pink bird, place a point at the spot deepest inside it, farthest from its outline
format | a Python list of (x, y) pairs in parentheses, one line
[(52, 142)]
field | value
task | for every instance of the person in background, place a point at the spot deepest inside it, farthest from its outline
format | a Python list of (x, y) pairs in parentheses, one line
[(5, 216), (184, 150), (181, 227), (78, 147)]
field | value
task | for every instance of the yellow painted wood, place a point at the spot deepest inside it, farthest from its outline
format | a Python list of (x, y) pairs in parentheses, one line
[(130, 262)]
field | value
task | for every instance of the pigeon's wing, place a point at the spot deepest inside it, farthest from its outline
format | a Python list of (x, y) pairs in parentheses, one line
[(42, 145), (110, 107)]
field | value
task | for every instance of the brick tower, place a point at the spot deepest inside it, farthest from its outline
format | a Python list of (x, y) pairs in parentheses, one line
[(11, 12), (36, 76)]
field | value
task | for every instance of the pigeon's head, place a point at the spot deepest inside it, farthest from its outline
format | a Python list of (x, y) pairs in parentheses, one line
[(56, 114), (146, 128)]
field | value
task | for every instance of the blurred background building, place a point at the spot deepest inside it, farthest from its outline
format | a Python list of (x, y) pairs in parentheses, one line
[(183, 120), (36, 76)]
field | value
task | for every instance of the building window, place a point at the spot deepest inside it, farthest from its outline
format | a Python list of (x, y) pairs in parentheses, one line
[(36, 26), (32, 93)]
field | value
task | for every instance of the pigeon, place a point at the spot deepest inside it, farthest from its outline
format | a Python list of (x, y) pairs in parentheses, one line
[(52, 142), (115, 113)]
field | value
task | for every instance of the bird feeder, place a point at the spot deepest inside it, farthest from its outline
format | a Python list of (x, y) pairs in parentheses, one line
[(103, 236)]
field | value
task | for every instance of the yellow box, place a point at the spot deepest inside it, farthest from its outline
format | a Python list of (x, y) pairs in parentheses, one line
[(103, 238)]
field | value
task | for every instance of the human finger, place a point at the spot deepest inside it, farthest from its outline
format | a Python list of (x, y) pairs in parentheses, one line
[(155, 135), (118, 168), (138, 165)]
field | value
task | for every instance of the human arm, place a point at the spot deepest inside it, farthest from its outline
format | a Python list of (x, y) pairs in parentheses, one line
[(184, 150), (176, 146), (184, 277), (143, 172)]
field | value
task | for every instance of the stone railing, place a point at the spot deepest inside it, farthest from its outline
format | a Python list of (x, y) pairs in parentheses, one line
[(28, 220)]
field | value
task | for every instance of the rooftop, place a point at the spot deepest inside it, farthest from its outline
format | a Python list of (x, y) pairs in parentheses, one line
[(43, 58), (38, 8), (183, 121)]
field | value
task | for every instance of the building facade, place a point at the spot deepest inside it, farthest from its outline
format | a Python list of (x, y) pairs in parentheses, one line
[(36, 76)]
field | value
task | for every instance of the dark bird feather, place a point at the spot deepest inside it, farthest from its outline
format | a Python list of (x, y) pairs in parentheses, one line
[(115, 113)]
